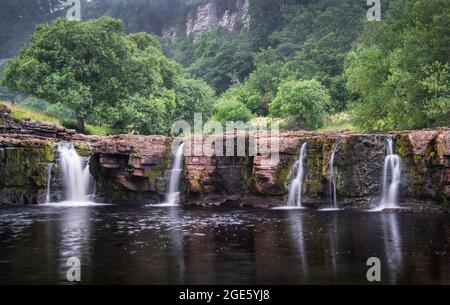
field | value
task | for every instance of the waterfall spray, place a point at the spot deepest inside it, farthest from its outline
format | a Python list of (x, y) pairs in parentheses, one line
[(296, 187), (391, 177), (75, 172), (173, 191)]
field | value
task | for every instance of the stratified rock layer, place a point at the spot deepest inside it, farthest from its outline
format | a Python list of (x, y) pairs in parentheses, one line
[(26, 150), (130, 169), (134, 169)]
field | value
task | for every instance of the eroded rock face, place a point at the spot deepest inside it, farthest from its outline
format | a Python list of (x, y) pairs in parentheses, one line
[(426, 157), (131, 169), (26, 150), (358, 167), (23, 170), (209, 16), (134, 169)]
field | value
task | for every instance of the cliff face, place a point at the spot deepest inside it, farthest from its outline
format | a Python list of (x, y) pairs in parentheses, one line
[(212, 13), (134, 169)]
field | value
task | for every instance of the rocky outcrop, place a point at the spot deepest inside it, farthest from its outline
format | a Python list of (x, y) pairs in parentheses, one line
[(359, 160), (23, 170), (26, 150), (134, 169), (232, 15), (131, 169), (426, 157)]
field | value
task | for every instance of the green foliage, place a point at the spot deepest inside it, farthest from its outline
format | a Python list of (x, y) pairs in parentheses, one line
[(315, 41), (301, 103), (99, 73), (229, 109), (193, 96), (218, 57), (56, 110), (400, 69)]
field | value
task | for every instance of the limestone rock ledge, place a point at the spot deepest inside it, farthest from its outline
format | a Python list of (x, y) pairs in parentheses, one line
[(26, 150), (359, 159), (134, 169), (131, 169)]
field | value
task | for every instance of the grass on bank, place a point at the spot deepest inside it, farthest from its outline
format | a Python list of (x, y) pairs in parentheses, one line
[(334, 122), (338, 122), (24, 114)]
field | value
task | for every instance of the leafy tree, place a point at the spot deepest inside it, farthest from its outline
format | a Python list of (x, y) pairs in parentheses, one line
[(400, 68), (316, 38), (193, 96), (91, 67), (218, 57), (227, 110), (301, 103)]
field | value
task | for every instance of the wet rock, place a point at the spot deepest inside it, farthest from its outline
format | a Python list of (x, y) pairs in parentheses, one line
[(131, 169)]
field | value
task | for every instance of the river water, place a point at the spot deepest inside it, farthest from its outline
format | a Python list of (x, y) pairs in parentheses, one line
[(176, 245)]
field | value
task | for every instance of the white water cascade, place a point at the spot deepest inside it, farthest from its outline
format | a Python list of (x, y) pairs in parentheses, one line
[(75, 174), (296, 187), (49, 182), (332, 178), (391, 177), (173, 191)]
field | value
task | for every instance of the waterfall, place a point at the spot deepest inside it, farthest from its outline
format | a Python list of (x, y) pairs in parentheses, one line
[(173, 191), (332, 178), (75, 173), (391, 177), (296, 187), (49, 182)]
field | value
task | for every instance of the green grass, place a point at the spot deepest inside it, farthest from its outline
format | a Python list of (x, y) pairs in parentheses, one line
[(338, 122), (26, 114)]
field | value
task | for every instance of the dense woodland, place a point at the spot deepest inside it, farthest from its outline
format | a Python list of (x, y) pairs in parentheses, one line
[(312, 63)]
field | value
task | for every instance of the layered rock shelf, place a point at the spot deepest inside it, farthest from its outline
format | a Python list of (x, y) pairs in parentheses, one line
[(134, 169)]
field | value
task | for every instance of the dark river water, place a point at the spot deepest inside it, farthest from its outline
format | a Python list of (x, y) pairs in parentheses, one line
[(147, 245)]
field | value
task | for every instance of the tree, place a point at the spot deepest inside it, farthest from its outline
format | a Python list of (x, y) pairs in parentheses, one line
[(231, 110), (400, 70), (91, 67), (218, 57), (193, 96), (301, 103)]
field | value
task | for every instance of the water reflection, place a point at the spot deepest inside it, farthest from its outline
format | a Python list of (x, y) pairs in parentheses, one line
[(176, 237), (138, 245), (298, 235), (74, 237), (392, 245)]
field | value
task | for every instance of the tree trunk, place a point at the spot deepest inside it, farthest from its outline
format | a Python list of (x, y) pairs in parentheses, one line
[(80, 122)]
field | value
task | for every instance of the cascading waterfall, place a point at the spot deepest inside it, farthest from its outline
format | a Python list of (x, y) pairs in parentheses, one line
[(332, 178), (173, 191), (49, 182), (296, 187), (75, 172), (391, 177)]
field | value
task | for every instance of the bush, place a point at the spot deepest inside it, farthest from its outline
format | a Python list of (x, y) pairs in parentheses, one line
[(301, 103), (231, 110)]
